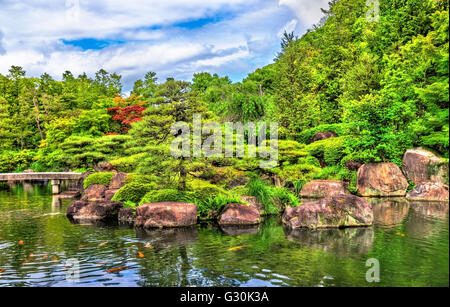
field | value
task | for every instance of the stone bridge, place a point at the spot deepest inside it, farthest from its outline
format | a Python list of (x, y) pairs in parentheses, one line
[(55, 178)]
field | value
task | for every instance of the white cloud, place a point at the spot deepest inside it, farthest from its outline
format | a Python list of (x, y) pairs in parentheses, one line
[(244, 38), (2, 50), (308, 11), (291, 26)]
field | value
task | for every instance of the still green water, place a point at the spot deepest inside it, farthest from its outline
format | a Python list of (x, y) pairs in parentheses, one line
[(410, 241)]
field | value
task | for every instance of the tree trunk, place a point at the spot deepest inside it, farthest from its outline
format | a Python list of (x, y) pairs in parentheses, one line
[(37, 118), (183, 175)]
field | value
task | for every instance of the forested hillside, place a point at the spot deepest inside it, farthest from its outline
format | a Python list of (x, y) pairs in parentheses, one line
[(382, 87)]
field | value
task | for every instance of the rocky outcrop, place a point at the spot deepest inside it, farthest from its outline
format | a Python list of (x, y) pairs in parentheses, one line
[(69, 195), (109, 194), (332, 212), (429, 191), (253, 201), (93, 211), (118, 181), (323, 136), (78, 184), (75, 207), (105, 167), (381, 179), (95, 192), (421, 165), (166, 214), (240, 214), (96, 205), (127, 215), (353, 165), (323, 188)]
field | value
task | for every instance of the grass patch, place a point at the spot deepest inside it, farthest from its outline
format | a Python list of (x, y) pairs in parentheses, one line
[(272, 198)]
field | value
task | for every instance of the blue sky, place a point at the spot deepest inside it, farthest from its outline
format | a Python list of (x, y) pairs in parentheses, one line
[(174, 38)]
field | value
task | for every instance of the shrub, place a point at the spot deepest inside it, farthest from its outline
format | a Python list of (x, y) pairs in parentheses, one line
[(285, 197), (298, 172), (128, 163), (15, 161), (335, 173), (164, 195), (138, 178), (297, 185), (206, 199), (204, 190), (38, 167), (331, 150), (98, 178), (133, 191), (83, 170), (307, 135)]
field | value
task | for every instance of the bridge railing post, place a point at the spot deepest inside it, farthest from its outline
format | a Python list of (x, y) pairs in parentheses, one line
[(56, 186)]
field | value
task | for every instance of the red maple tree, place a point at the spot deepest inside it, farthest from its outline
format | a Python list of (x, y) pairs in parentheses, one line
[(127, 115)]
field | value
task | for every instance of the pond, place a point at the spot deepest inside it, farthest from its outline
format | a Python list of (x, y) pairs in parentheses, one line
[(410, 241)]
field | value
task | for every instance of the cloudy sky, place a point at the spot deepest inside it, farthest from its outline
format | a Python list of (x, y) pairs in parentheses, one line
[(174, 38)]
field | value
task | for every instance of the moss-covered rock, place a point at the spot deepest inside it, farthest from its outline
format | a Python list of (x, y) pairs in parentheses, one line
[(166, 195), (98, 178), (133, 191)]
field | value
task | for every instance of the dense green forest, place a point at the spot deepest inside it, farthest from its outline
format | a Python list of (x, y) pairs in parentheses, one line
[(382, 87)]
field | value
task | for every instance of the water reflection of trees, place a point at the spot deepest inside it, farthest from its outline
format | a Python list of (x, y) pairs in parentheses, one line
[(171, 261), (208, 255)]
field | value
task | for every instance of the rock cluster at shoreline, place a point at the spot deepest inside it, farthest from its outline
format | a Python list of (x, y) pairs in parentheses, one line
[(95, 204), (337, 209), (331, 205)]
